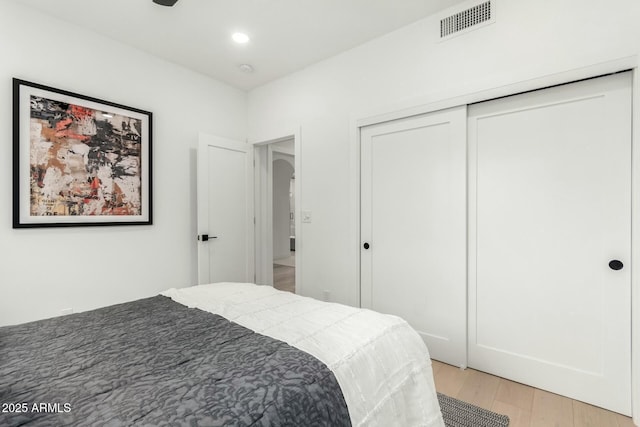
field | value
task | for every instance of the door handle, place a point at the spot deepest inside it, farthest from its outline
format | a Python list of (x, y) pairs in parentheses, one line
[(615, 264), (205, 237), (366, 245)]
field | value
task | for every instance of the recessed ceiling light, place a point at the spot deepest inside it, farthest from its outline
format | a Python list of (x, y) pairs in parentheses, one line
[(247, 68), (240, 38)]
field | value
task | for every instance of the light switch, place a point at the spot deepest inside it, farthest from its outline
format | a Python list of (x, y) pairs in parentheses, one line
[(306, 216)]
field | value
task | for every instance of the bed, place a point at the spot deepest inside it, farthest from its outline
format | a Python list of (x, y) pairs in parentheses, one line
[(233, 354)]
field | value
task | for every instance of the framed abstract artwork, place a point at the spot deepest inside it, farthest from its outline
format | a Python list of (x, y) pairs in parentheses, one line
[(78, 160)]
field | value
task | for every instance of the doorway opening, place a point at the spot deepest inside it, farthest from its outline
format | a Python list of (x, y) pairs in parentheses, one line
[(284, 229), (277, 223)]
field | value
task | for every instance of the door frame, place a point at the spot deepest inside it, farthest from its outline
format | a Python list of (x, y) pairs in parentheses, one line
[(427, 104), (263, 205)]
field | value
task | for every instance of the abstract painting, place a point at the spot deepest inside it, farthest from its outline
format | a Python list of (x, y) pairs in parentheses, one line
[(79, 160)]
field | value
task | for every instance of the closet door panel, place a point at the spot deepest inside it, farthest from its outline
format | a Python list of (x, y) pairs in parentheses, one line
[(550, 207), (414, 223)]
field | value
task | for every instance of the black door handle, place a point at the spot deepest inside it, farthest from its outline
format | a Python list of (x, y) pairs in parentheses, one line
[(206, 237), (616, 264), (366, 246)]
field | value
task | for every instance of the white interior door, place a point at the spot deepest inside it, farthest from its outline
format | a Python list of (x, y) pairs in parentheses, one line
[(550, 207), (225, 210), (413, 219)]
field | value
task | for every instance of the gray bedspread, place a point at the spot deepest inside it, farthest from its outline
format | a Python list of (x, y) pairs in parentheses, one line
[(154, 362)]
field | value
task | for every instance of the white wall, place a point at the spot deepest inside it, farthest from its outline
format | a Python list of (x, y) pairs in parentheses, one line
[(529, 39), (45, 270)]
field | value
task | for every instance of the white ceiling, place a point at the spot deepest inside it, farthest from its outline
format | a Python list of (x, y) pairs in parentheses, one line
[(286, 35)]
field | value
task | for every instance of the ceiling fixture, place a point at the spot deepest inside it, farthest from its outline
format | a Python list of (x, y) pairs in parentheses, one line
[(165, 2), (240, 38), (246, 68)]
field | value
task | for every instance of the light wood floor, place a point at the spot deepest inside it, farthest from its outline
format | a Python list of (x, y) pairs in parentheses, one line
[(525, 406), (284, 278)]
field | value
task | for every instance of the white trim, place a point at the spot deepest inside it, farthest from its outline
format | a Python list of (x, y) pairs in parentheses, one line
[(263, 211), (424, 105), (202, 217), (354, 208), (635, 244)]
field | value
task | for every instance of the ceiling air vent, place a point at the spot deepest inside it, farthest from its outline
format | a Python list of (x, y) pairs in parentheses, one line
[(465, 20)]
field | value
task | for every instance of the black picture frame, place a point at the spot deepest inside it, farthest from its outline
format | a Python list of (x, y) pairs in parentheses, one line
[(78, 160)]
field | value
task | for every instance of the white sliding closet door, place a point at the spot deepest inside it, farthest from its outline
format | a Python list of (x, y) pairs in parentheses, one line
[(550, 224), (413, 219)]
